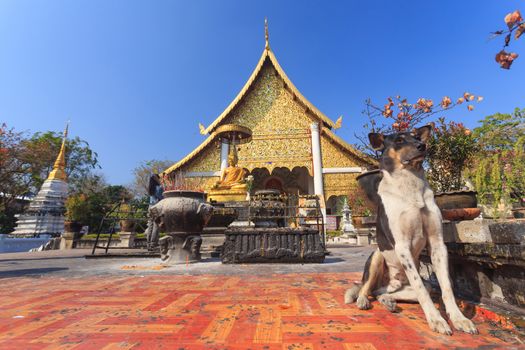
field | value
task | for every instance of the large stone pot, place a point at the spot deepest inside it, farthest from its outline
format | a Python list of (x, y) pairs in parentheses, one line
[(369, 182), (127, 225), (182, 215), (458, 205), (456, 199), (70, 235)]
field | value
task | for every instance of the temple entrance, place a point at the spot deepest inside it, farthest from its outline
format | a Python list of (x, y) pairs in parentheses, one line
[(273, 183), (334, 205), (295, 181)]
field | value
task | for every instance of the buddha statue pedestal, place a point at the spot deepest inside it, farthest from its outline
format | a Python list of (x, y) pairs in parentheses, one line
[(234, 194)]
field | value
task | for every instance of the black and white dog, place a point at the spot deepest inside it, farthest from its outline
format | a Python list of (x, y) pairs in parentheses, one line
[(408, 220)]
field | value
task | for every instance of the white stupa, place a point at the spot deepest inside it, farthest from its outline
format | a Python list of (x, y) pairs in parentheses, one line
[(45, 214)]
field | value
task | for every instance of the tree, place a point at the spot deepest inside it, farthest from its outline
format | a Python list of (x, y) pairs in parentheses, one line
[(14, 182), (142, 173), (41, 150), (499, 165), (25, 163), (98, 198), (500, 131)]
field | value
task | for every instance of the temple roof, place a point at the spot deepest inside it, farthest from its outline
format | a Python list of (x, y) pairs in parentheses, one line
[(349, 148), (268, 54), (186, 159)]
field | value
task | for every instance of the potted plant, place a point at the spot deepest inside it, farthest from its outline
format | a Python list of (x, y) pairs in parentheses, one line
[(450, 149), (361, 210), (75, 212), (127, 217), (76, 209)]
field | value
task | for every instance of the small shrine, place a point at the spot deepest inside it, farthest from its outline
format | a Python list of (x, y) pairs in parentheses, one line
[(45, 214), (293, 147)]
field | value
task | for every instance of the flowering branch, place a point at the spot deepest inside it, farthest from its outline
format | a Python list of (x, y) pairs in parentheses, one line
[(516, 25), (399, 115)]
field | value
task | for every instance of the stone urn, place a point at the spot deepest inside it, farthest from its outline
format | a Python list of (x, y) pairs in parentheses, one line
[(369, 182), (182, 215)]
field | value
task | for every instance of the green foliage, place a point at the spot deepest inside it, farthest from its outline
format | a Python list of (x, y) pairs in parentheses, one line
[(76, 208), (358, 203), (100, 198), (500, 131), (26, 162), (449, 149), (332, 234), (499, 166), (103, 236), (41, 150)]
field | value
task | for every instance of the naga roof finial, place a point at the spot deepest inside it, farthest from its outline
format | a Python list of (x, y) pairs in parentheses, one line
[(266, 36)]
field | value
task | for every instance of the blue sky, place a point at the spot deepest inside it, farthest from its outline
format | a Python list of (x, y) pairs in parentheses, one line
[(136, 77)]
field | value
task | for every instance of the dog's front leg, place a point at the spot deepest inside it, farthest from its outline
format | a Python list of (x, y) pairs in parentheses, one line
[(434, 319), (439, 257)]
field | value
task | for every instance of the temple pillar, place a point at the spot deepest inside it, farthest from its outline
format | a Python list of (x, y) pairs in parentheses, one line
[(225, 148), (316, 158)]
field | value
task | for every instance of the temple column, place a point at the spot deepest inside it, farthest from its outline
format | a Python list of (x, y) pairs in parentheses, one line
[(316, 157), (225, 148)]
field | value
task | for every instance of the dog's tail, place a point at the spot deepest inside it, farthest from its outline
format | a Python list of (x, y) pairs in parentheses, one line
[(372, 274), (352, 294)]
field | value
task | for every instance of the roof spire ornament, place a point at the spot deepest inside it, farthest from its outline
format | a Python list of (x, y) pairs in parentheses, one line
[(266, 36), (59, 168)]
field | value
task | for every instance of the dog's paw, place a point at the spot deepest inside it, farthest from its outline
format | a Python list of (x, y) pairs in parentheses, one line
[(351, 294), (363, 303), (388, 302), (394, 286), (464, 324), (438, 324)]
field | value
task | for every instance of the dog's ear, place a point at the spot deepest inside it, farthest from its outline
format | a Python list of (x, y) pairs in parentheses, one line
[(424, 132), (377, 141)]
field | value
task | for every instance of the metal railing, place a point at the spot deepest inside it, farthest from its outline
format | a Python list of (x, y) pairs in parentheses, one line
[(113, 216)]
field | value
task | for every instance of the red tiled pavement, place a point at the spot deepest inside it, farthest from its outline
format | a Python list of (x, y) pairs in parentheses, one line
[(289, 311)]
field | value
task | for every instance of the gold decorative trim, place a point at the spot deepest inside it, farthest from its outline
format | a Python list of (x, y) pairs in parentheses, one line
[(242, 131), (268, 54)]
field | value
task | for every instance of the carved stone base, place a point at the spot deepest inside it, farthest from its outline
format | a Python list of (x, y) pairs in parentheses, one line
[(67, 240), (272, 245), (127, 239), (180, 249)]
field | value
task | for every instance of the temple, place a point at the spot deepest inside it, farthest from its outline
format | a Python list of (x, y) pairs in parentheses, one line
[(293, 148), (45, 214)]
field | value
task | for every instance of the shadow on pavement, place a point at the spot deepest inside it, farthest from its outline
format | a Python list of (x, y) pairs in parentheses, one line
[(29, 272), (332, 260)]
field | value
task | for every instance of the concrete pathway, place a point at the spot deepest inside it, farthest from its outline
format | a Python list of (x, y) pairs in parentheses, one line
[(59, 300)]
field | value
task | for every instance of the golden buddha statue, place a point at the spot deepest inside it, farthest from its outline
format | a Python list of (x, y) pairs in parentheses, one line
[(232, 182), (232, 177)]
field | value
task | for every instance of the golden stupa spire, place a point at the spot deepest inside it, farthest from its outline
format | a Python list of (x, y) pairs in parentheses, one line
[(59, 168), (266, 36)]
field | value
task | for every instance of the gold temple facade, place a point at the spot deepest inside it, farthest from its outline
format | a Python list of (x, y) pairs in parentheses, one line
[(293, 147)]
